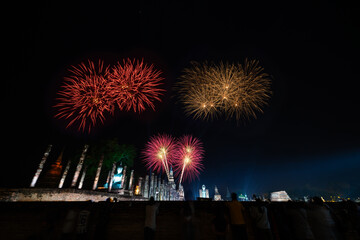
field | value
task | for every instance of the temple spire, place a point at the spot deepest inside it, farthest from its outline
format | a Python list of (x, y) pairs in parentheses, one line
[(171, 175)]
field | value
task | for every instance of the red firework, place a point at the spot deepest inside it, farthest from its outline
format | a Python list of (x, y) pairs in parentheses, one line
[(190, 154), (135, 85), (159, 153), (84, 97)]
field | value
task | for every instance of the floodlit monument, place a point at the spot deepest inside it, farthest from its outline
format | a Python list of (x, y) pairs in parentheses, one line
[(280, 196), (217, 196), (204, 192), (120, 184), (243, 197), (118, 177)]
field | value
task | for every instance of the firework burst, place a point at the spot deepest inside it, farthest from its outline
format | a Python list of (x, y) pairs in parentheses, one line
[(202, 102), (189, 158), (135, 85), (159, 153), (251, 93), (84, 98), (234, 90)]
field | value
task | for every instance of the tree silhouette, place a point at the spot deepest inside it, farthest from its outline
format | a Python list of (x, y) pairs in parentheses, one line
[(105, 153)]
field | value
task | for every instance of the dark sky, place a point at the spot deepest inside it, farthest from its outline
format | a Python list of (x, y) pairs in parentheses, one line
[(306, 142)]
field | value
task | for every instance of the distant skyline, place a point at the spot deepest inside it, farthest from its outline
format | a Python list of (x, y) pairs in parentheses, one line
[(307, 139)]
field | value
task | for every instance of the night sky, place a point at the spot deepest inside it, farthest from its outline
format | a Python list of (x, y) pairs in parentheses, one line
[(306, 142)]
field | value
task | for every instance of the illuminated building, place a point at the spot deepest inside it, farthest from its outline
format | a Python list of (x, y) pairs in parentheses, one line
[(243, 197), (151, 192), (280, 196), (204, 192), (161, 189), (181, 193), (118, 182), (217, 196)]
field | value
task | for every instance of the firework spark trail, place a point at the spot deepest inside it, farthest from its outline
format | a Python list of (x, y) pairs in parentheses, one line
[(189, 158), (84, 96), (232, 89), (160, 152), (199, 94), (254, 91), (135, 85), (203, 103)]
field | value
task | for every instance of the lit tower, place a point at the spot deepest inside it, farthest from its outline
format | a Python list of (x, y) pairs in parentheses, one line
[(65, 174), (151, 194), (146, 187), (217, 196), (111, 177), (41, 166), (172, 185), (204, 192), (79, 166), (123, 180), (82, 177), (171, 176), (181, 193), (131, 181)]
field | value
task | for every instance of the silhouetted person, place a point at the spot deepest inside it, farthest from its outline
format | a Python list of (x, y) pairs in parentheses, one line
[(321, 220), (350, 219), (188, 220), (254, 196), (298, 220), (262, 224), (82, 224), (219, 225), (69, 224), (237, 220), (102, 216), (151, 210)]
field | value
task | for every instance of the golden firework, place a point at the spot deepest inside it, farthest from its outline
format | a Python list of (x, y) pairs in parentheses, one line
[(235, 90)]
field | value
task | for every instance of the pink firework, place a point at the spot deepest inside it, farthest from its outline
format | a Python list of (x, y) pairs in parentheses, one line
[(160, 152), (135, 85), (189, 158), (84, 97)]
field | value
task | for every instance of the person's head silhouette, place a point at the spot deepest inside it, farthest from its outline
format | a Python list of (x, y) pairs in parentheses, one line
[(233, 196), (317, 200)]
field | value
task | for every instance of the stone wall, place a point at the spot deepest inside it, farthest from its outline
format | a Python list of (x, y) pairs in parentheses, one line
[(55, 195)]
